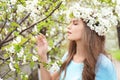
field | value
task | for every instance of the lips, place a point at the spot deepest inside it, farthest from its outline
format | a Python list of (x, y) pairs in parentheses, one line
[(69, 32)]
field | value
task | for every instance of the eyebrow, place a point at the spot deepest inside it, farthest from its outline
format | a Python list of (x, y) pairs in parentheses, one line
[(74, 20)]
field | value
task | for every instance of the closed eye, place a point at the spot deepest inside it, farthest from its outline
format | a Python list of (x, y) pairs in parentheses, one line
[(75, 22)]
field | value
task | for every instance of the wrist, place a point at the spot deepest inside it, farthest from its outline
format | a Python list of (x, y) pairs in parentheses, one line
[(42, 65), (43, 59)]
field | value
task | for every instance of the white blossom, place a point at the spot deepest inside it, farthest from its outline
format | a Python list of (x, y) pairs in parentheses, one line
[(11, 59), (54, 68), (11, 49), (53, 29), (113, 1), (99, 19), (6, 31), (26, 76), (34, 51), (1, 78), (117, 10), (13, 1), (21, 28), (21, 53), (63, 2), (60, 27), (35, 2), (20, 8), (24, 60), (17, 40), (34, 16), (49, 48), (52, 33), (11, 66), (39, 7), (35, 29), (34, 58), (29, 6), (118, 2)]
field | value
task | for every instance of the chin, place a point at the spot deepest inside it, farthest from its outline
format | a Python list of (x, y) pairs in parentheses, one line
[(71, 39)]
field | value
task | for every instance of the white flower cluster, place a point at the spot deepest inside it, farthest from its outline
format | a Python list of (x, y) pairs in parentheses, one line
[(34, 58), (31, 7), (99, 18), (11, 64), (117, 8), (54, 68), (21, 53), (1, 79)]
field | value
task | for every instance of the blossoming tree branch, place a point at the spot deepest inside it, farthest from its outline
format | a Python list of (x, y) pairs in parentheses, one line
[(22, 20)]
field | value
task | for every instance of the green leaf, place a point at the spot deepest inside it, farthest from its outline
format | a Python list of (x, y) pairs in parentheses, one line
[(6, 55), (51, 42), (0, 18), (14, 24), (71, 15), (16, 65), (40, 25), (16, 33), (22, 2), (32, 64), (17, 47), (110, 2), (115, 54), (2, 4)]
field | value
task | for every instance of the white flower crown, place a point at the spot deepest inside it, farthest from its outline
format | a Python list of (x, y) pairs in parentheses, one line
[(100, 18)]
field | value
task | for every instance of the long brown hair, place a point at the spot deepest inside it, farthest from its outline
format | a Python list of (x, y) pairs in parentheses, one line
[(94, 45)]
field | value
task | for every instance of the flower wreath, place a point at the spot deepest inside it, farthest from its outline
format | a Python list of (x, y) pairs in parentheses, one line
[(99, 18)]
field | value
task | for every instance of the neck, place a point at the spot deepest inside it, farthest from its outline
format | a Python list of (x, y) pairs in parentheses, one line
[(80, 52), (80, 48)]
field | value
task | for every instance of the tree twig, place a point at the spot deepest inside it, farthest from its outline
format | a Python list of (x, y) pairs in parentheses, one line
[(4, 23), (59, 42), (24, 18), (42, 19), (1, 44), (1, 58), (6, 73)]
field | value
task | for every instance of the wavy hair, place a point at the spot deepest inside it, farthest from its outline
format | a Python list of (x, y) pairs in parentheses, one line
[(94, 45)]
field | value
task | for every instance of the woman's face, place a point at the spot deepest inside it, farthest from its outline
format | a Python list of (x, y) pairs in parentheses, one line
[(75, 29)]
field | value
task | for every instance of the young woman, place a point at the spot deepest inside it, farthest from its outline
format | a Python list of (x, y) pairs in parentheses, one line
[(86, 58)]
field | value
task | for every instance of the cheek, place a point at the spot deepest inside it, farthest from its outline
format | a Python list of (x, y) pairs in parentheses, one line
[(79, 32), (76, 34)]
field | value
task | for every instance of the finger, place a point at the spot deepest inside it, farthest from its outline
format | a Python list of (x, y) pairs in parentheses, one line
[(43, 36), (39, 44), (38, 39), (41, 39)]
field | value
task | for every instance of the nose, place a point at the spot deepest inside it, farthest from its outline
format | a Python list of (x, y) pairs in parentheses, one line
[(69, 26)]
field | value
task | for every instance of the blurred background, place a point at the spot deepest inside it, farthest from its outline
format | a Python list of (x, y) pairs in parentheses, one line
[(22, 20)]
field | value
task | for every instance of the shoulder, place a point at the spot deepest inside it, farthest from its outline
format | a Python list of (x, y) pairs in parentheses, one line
[(104, 61), (105, 68)]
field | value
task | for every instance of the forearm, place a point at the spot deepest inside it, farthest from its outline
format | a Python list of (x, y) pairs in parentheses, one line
[(45, 75)]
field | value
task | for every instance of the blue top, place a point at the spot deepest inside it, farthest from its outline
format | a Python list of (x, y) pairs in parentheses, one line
[(104, 69)]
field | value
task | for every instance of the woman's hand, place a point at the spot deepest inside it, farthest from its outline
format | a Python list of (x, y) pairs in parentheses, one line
[(42, 47)]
